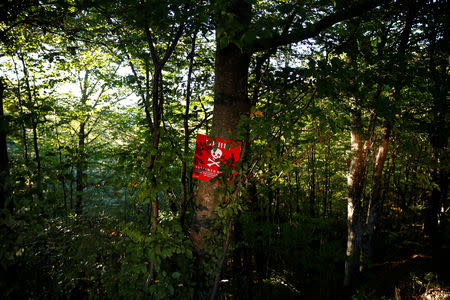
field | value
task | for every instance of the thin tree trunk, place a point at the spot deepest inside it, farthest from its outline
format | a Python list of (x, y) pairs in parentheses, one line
[(184, 187), (61, 167), (80, 170), (291, 197), (24, 141), (37, 156), (375, 194), (312, 184), (388, 174), (327, 181), (22, 124), (4, 165), (355, 183), (34, 123), (297, 193), (63, 181), (71, 188), (222, 260), (157, 103)]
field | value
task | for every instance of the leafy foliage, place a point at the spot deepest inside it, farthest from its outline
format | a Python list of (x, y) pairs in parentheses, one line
[(100, 107)]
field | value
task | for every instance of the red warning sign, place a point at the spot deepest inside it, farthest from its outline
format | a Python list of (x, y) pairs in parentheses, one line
[(212, 153)]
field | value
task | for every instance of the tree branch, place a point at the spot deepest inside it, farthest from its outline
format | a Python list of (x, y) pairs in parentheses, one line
[(301, 33), (172, 46)]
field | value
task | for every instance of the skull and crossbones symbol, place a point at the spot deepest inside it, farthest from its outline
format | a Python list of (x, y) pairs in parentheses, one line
[(215, 155)]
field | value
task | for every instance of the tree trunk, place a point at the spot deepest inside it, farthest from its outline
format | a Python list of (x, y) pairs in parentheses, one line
[(372, 210), (355, 184), (34, 122), (438, 133), (184, 184), (61, 167), (230, 103), (4, 166), (71, 187), (312, 184), (154, 121), (38, 158), (22, 123), (80, 170), (327, 193), (157, 107)]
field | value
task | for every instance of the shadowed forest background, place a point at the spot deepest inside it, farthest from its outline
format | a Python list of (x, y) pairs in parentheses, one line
[(341, 190)]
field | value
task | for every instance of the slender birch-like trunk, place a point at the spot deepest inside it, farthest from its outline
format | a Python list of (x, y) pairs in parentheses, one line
[(355, 182), (375, 195)]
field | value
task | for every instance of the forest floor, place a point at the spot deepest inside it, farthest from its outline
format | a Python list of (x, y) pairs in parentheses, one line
[(412, 278)]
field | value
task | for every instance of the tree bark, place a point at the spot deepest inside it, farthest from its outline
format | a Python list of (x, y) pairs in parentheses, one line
[(154, 121), (4, 164), (312, 184), (355, 183), (157, 101), (327, 194), (230, 103), (61, 175), (80, 170), (22, 123), (34, 122), (184, 184), (37, 156), (375, 194), (81, 152)]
